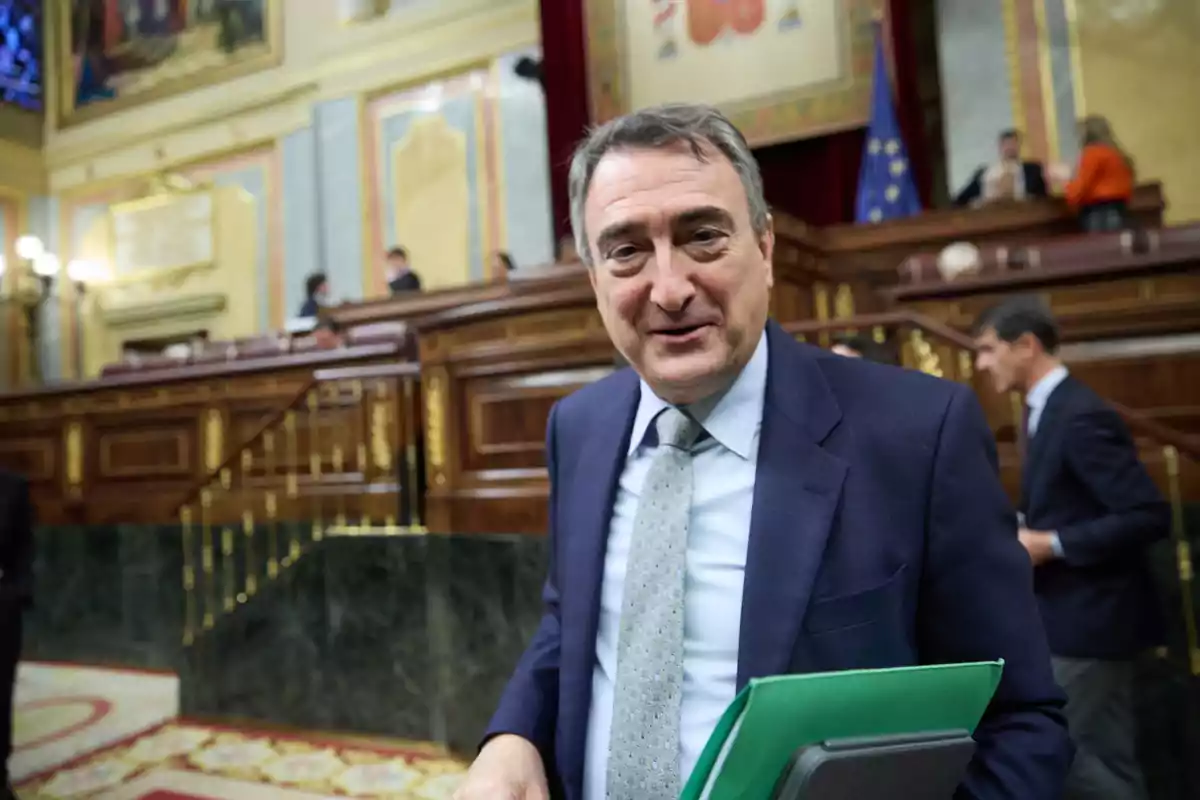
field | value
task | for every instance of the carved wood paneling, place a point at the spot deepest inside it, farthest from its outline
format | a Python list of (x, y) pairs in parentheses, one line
[(164, 450), (31, 456)]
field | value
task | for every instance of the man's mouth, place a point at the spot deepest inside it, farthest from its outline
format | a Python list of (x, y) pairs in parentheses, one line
[(679, 332)]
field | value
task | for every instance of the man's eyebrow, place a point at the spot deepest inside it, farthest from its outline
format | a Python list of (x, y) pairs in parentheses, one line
[(617, 231), (703, 214), (693, 216)]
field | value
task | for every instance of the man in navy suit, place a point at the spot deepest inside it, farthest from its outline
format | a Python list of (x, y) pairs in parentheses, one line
[(1090, 511), (16, 565), (1009, 178), (837, 514)]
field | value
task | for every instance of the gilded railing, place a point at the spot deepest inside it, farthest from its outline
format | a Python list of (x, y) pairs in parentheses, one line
[(920, 342), (340, 459)]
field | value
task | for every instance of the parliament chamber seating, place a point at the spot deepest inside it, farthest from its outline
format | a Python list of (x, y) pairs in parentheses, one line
[(430, 414)]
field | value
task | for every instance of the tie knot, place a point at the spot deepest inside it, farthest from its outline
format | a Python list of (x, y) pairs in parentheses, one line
[(676, 429)]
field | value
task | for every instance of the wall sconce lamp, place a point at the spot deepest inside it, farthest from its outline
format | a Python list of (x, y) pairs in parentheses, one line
[(32, 284)]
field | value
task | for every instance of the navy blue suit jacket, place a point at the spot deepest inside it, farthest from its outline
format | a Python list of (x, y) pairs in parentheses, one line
[(1082, 477), (880, 536)]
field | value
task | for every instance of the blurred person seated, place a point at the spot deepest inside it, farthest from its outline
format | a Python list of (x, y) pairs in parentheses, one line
[(328, 335), (1104, 179), (316, 295), (858, 346), (400, 275), (1009, 178)]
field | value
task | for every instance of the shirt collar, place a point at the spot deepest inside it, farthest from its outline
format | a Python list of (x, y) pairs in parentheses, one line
[(732, 418), (1040, 393)]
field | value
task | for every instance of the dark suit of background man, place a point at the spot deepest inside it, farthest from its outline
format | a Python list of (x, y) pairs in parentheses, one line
[(16, 565), (400, 275), (738, 504), (1089, 513), (1009, 178)]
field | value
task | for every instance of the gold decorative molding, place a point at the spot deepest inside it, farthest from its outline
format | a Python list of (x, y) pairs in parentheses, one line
[(214, 439), (74, 457), (435, 424), (843, 302), (926, 359), (62, 111), (381, 453), (764, 118), (1046, 76), (1012, 53), (264, 108)]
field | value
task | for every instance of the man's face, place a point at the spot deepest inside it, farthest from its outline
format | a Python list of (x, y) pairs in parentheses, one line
[(681, 279), (397, 263), (1010, 148), (1006, 363)]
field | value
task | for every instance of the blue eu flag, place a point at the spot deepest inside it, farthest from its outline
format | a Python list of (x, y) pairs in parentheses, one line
[(885, 184)]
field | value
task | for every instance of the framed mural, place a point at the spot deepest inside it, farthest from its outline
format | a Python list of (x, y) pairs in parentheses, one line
[(112, 54), (780, 69)]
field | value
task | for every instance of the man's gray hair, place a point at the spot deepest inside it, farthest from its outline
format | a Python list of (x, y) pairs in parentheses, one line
[(701, 128)]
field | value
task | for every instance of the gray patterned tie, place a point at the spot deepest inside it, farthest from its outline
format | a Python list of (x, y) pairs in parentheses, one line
[(643, 762)]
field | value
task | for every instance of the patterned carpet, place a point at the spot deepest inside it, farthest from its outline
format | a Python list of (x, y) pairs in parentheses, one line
[(204, 762), (100, 734)]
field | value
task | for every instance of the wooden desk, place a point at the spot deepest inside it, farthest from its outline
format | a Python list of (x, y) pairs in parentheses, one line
[(867, 257), (125, 448), (1113, 297), (490, 373), (800, 281)]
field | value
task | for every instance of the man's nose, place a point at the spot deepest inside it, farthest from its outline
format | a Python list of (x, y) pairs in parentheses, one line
[(672, 288)]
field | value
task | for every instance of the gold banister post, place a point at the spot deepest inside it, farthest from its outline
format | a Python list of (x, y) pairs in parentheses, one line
[(189, 578), (207, 557), (293, 487), (272, 506), (1183, 558), (314, 463)]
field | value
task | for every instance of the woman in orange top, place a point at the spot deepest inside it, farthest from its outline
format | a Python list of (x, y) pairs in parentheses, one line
[(1103, 182)]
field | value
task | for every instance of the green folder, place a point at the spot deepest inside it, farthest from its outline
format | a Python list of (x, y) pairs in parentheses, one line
[(771, 718)]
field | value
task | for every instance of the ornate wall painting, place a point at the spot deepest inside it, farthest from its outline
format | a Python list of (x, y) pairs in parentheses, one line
[(781, 69), (112, 54)]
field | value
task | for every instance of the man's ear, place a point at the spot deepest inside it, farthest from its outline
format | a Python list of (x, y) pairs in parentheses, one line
[(766, 246)]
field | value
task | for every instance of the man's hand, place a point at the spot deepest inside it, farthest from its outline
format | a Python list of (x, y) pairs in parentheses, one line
[(507, 768), (1038, 544)]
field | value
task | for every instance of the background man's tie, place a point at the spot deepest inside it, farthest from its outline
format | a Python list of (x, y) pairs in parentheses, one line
[(643, 761)]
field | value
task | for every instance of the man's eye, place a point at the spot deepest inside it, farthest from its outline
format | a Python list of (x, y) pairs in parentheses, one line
[(622, 253), (707, 236)]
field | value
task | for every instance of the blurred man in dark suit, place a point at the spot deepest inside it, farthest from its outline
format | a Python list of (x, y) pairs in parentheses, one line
[(16, 567), (1009, 178), (1088, 513), (400, 275)]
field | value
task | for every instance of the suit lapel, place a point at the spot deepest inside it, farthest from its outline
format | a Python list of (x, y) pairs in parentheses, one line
[(1036, 445), (796, 493), (588, 503)]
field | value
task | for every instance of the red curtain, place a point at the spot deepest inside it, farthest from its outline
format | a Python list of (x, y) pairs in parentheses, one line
[(564, 76), (813, 179)]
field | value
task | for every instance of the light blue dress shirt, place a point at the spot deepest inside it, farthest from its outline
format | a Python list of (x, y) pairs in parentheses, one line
[(724, 465), (1036, 399)]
